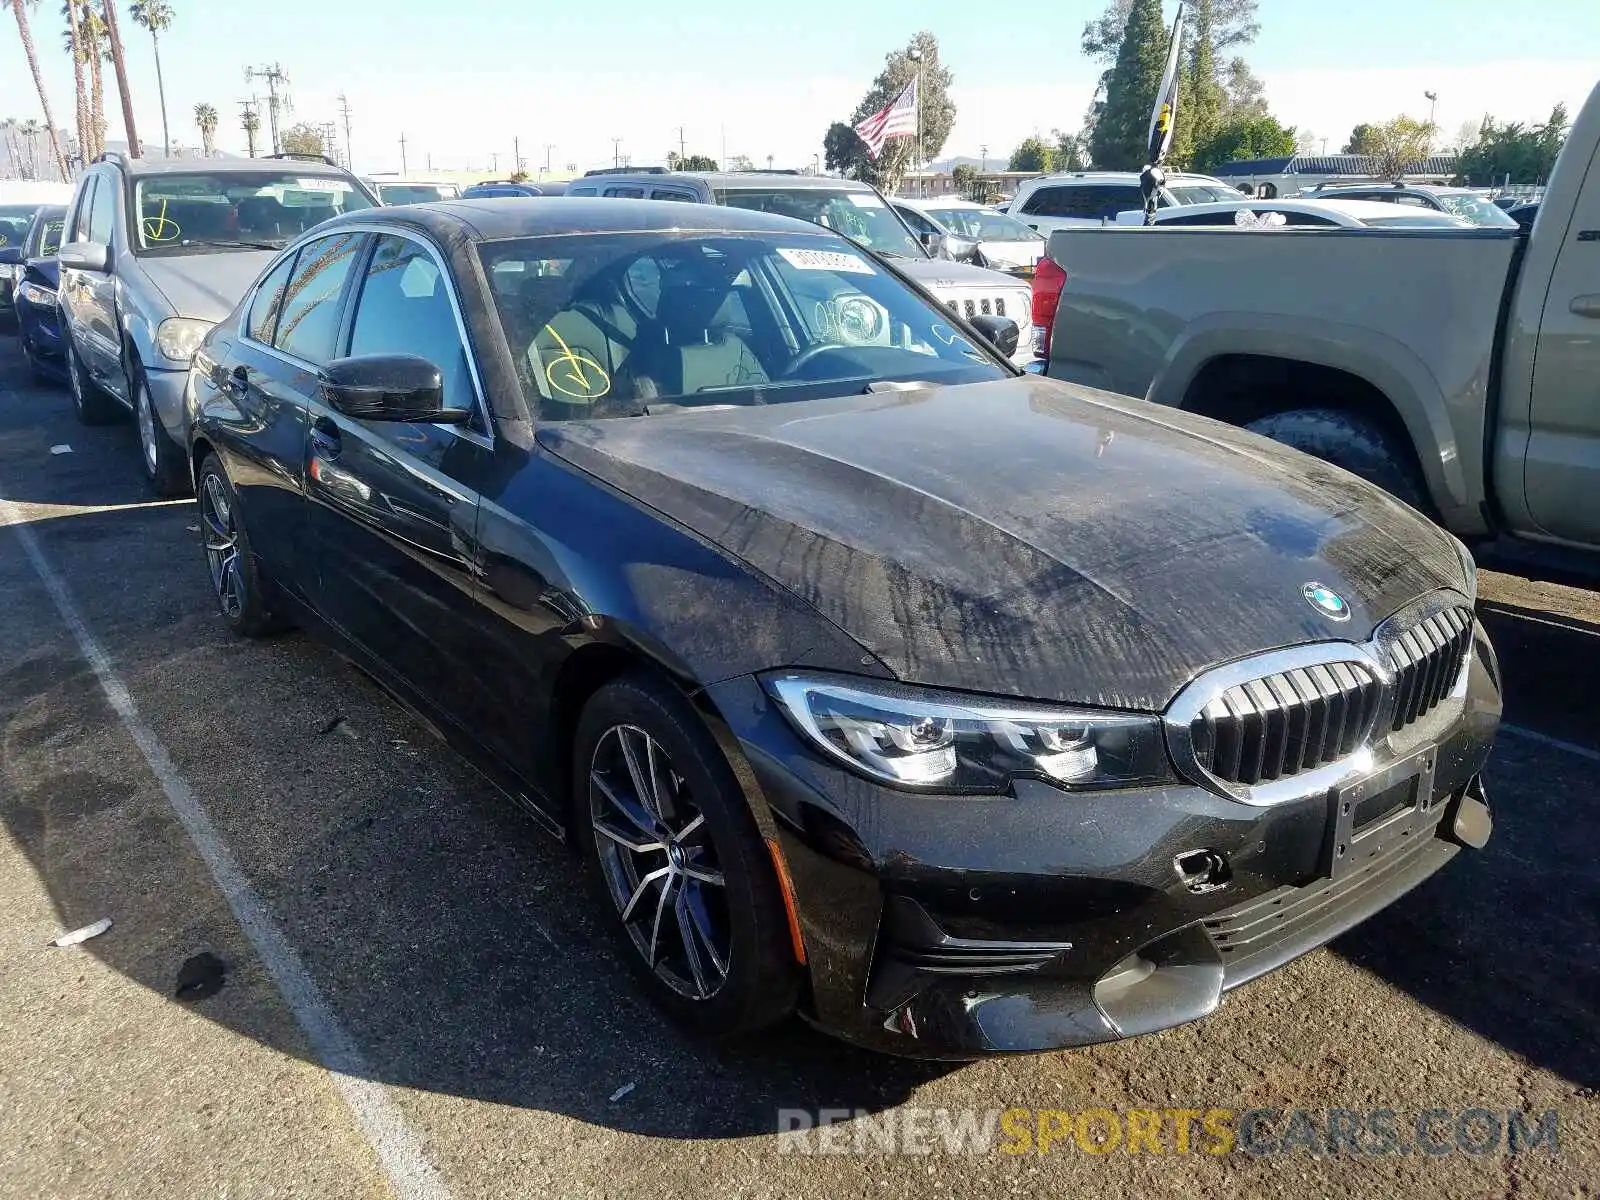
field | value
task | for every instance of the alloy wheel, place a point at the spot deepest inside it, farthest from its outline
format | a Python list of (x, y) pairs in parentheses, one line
[(222, 546), (147, 426), (659, 864)]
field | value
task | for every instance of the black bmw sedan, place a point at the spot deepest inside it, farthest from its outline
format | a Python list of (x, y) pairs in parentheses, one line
[(957, 709)]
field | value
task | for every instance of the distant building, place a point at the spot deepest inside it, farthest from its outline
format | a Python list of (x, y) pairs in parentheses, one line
[(1270, 178), (927, 184)]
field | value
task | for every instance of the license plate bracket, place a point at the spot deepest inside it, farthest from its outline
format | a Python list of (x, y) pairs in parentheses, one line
[(1373, 816)]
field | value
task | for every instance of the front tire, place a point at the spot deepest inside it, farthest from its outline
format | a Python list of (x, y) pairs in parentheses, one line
[(163, 461), (242, 589), (680, 861), (1359, 445), (90, 404)]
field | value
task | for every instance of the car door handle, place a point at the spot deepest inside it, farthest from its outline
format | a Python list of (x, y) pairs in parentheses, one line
[(235, 383), (325, 440), (1586, 306)]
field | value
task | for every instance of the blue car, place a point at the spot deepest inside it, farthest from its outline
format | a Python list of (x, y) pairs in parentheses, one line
[(490, 188), (38, 313)]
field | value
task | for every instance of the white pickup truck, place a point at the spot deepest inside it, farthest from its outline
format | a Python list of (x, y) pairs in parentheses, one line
[(1459, 368)]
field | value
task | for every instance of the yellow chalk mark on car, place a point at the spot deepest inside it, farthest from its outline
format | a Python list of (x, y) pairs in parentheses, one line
[(573, 374), (160, 228)]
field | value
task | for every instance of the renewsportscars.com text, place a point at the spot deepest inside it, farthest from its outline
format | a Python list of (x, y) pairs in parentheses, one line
[(1318, 1132)]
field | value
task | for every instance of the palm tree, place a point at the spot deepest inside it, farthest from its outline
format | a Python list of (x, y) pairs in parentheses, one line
[(30, 130), (156, 16), (206, 117), (13, 156), (251, 123), (90, 40), (119, 63), (20, 7), (77, 48)]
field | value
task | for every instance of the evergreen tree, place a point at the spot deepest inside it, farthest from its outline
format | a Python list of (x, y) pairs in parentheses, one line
[(1202, 99), (1122, 119)]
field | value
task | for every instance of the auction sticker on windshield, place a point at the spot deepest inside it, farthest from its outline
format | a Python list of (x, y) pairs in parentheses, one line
[(322, 185), (865, 200), (825, 260)]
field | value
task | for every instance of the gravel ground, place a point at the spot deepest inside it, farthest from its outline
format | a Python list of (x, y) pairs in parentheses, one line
[(377, 909)]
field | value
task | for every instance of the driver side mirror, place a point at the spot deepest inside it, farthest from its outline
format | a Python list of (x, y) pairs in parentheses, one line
[(1002, 332), (389, 387), (85, 256)]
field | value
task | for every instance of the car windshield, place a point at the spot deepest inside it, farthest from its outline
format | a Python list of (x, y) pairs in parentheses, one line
[(232, 209), (14, 222), (634, 324), (416, 193), (1476, 209), (1202, 193), (860, 216), (982, 225)]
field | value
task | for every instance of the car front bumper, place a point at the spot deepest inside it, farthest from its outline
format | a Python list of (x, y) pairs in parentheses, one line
[(41, 324), (167, 398), (950, 927)]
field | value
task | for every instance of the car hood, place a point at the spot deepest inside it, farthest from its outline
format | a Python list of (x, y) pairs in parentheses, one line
[(1014, 254), (1026, 537), (206, 286)]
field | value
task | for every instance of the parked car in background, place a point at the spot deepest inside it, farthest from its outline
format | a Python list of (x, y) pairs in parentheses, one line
[(962, 710), (1077, 198), (158, 250), (1457, 201), (411, 191), (1000, 241), (1297, 214), (1524, 215), (38, 308), (20, 200), (491, 188), (846, 206), (1455, 367)]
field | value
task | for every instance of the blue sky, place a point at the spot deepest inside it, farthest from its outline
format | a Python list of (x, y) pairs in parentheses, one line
[(462, 78)]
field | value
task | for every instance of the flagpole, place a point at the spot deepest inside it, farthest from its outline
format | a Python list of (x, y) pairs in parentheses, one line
[(1162, 120)]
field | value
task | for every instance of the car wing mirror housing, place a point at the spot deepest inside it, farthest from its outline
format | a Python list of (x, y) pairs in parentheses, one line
[(389, 387), (1002, 332), (85, 256)]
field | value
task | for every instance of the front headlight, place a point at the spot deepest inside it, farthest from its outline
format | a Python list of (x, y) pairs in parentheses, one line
[(1469, 567), (179, 337), (35, 294), (945, 741)]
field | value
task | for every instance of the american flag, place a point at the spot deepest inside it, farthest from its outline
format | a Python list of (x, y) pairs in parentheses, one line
[(897, 119)]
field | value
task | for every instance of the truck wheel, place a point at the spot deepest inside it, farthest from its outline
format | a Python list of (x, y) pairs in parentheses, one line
[(1357, 444)]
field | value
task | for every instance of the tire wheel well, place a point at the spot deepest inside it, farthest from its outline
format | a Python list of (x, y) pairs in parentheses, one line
[(586, 671), (1240, 388), (197, 455)]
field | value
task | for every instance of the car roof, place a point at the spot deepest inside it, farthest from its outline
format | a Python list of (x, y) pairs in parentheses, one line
[(922, 203), (731, 181), (492, 219), (385, 181), (140, 167), (1124, 177)]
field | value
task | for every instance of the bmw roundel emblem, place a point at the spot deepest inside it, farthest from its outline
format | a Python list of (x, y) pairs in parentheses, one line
[(1326, 601)]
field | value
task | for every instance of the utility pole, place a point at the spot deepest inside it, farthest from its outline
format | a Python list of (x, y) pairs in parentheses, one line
[(250, 120), (548, 146), (1433, 107), (494, 162), (683, 152), (616, 152), (516, 156), (402, 156), (984, 160), (344, 111), (330, 139), (275, 79)]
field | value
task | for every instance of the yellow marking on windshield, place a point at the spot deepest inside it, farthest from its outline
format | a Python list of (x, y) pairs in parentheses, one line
[(155, 228), (575, 380)]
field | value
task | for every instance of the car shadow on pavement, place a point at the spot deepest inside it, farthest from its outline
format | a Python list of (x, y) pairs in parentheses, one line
[(1504, 940)]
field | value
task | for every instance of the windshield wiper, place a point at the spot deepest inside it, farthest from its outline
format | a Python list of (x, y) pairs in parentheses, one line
[(236, 245)]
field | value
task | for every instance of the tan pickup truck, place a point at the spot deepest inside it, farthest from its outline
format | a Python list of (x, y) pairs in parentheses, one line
[(1458, 368)]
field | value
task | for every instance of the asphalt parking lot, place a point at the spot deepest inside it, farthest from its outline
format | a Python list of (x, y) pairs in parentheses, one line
[(396, 984)]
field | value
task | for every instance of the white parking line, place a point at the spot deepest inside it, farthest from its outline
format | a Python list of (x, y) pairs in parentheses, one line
[(400, 1154), (1544, 739)]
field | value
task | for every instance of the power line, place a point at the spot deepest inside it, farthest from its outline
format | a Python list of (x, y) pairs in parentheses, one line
[(275, 79)]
